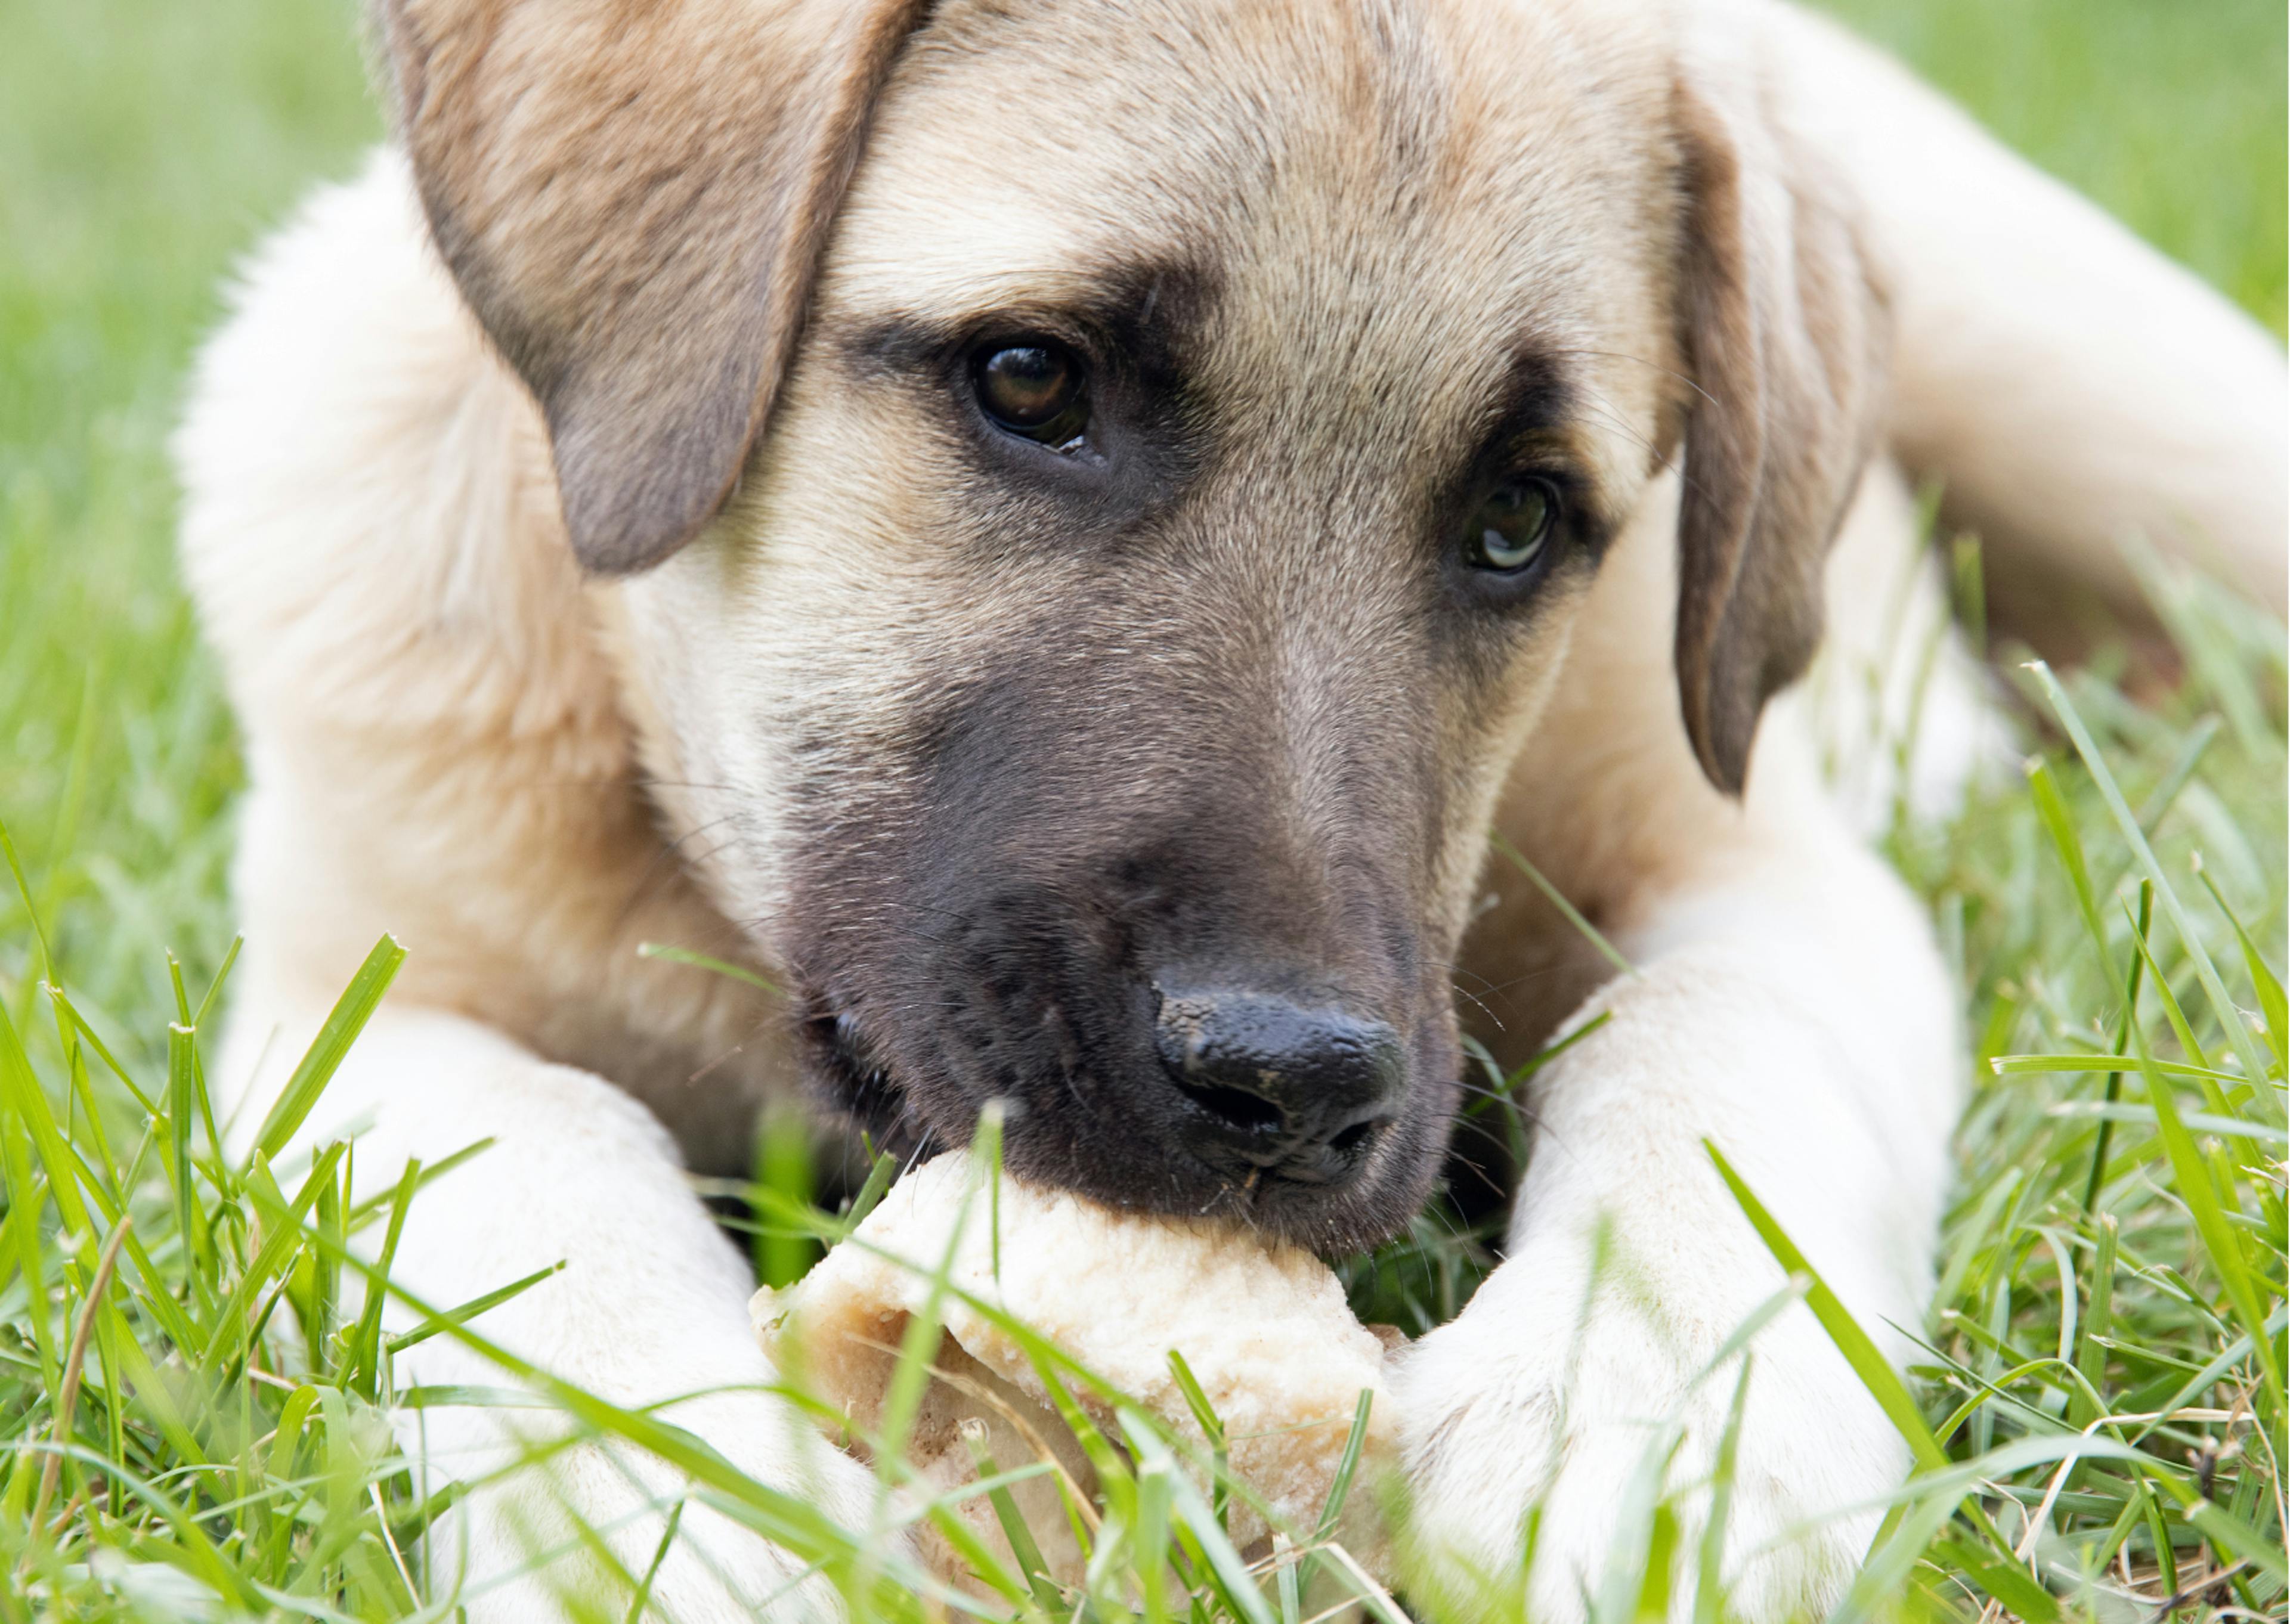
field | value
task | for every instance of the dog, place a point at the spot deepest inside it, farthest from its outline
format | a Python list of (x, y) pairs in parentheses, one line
[(1054, 533)]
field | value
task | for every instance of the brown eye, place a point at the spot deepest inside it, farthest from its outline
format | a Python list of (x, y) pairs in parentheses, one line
[(1512, 527), (1034, 388)]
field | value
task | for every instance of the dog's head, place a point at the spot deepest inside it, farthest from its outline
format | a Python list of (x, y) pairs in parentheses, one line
[(1103, 491)]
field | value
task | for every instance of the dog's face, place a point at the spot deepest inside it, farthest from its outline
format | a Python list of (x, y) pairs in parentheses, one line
[(1205, 424)]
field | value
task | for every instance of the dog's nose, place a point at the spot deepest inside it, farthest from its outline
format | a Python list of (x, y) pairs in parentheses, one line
[(1276, 1088)]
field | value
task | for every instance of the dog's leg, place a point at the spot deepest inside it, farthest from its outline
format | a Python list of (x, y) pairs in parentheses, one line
[(649, 1306), (1788, 1005), (1800, 1020)]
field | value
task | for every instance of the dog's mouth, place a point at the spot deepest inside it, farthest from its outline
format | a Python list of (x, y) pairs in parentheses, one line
[(843, 1070), (847, 1072)]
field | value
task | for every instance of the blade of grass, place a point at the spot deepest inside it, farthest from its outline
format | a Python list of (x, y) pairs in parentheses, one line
[(215, 986), (870, 1193), (31, 911), (1239, 1585), (85, 1034), (2105, 1136), (454, 1318), (1012, 1523), (1535, 1063), (1347, 1464), (365, 1349), (1150, 1541), (1212, 1427), (2192, 1180), (74, 1362), (365, 1210), (26, 1198), (347, 1018), (2059, 823), (2237, 1033), (1884, 1385), (2090, 1353), (178, 1159), (1567, 910), (2014, 1586), (20, 1093), (2263, 980), (782, 1256), (702, 961), (1709, 1589), (288, 1437), (277, 1247), (2175, 777)]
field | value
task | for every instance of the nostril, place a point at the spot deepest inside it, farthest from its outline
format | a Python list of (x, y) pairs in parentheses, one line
[(1351, 1139), (1271, 1084), (1252, 1112)]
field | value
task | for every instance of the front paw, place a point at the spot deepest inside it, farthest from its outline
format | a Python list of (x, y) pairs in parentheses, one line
[(1554, 1456)]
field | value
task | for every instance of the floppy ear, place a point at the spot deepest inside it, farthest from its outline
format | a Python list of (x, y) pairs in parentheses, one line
[(1785, 333), (633, 196)]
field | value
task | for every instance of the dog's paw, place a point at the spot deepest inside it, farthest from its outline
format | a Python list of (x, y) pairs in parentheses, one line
[(1525, 1402)]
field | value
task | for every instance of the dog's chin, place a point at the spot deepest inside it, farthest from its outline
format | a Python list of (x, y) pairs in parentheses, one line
[(1129, 1171)]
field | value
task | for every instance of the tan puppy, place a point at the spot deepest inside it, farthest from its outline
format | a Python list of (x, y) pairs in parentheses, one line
[(1054, 530)]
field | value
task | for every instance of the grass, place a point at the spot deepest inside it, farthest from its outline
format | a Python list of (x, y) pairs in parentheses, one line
[(193, 1404), (2170, 114)]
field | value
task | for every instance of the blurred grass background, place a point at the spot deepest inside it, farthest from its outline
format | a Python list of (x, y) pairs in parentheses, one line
[(144, 144)]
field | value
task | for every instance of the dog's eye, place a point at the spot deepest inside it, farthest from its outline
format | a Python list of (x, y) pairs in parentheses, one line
[(1034, 387), (1512, 526)]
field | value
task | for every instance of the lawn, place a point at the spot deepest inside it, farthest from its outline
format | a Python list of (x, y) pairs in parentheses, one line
[(2114, 1266)]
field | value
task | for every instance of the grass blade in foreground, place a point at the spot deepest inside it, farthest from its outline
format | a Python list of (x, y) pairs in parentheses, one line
[(1868, 1365), (350, 1015)]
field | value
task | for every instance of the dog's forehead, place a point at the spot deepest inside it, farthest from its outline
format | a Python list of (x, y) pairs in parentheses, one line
[(1376, 187)]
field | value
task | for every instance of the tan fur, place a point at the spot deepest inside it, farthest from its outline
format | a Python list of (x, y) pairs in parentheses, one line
[(633, 196), (429, 712)]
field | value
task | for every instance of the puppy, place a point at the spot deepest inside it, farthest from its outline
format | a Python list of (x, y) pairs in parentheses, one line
[(1053, 532)]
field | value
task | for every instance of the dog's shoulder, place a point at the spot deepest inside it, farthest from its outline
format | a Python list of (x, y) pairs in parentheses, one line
[(436, 731), (370, 524)]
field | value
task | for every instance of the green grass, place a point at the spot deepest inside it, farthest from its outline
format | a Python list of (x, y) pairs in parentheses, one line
[(142, 146), (2116, 1234), (2171, 114)]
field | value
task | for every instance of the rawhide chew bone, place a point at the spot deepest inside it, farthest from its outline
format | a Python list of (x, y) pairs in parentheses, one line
[(1263, 1327)]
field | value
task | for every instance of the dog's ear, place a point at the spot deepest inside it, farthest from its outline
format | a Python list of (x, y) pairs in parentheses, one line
[(633, 196), (1784, 330)]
